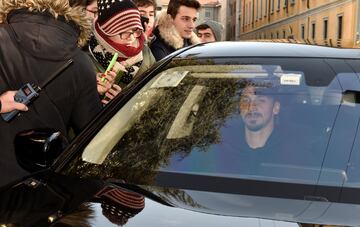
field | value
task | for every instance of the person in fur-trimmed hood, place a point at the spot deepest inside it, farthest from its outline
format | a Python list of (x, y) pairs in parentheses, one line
[(37, 38), (175, 28)]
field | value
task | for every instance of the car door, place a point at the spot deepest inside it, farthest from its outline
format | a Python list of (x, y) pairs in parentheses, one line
[(344, 153), (324, 207)]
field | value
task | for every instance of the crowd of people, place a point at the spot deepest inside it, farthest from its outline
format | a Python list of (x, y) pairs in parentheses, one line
[(130, 28), (39, 36)]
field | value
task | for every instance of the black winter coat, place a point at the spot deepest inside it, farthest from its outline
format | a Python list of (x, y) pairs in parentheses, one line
[(32, 47)]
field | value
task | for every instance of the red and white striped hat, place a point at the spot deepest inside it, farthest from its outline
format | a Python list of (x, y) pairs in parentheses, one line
[(117, 16)]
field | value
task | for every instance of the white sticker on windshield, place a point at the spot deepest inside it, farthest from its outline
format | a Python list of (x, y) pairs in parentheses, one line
[(290, 79), (169, 79)]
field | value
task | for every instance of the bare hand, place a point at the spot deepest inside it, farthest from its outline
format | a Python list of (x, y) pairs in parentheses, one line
[(111, 93), (105, 81), (8, 103)]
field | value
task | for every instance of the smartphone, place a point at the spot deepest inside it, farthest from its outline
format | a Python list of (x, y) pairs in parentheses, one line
[(143, 21)]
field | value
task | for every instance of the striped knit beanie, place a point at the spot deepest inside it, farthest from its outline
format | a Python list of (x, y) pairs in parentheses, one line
[(119, 205), (117, 16)]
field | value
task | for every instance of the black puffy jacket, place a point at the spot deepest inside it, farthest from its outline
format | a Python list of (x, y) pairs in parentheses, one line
[(32, 47)]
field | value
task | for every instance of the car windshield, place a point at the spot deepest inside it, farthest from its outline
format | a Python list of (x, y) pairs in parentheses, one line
[(269, 121)]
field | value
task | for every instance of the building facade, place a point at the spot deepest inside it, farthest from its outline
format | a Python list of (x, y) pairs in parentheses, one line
[(230, 19), (322, 22)]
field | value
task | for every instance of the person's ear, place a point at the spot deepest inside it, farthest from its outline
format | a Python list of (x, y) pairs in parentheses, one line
[(276, 108), (169, 17)]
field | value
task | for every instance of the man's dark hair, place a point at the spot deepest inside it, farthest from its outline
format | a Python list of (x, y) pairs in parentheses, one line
[(174, 5), (202, 27), (144, 3), (263, 88)]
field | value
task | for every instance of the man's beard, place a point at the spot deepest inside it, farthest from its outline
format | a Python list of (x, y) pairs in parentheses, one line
[(253, 118)]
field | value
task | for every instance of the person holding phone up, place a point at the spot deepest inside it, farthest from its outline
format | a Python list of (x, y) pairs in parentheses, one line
[(147, 10)]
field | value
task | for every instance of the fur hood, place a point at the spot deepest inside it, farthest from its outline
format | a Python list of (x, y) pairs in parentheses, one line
[(169, 33), (56, 8)]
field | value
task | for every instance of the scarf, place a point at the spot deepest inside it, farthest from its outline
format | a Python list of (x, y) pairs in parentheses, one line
[(123, 50), (129, 61)]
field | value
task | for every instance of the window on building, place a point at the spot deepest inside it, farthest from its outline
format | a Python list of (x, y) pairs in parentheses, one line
[(266, 8), (272, 6), (232, 9), (271, 35), (313, 30), (292, 2), (250, 14), (277, 35), (278, 5), (257, 9), (303, 31), (340, 27), (261, 8), (285, 3), (284, 34), (208, 13), (245, 15), (325, 28)]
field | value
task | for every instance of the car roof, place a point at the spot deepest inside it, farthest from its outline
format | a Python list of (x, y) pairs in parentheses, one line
[(266, 49)]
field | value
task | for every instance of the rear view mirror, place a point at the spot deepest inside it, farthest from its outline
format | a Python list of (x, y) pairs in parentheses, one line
[(37, 149)]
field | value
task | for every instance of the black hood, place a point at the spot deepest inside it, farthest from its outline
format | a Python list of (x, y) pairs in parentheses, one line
[(39, 34)]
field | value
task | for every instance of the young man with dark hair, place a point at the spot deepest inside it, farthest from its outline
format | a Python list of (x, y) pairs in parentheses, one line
[(147, 10), (209, 31), (175, 28)]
